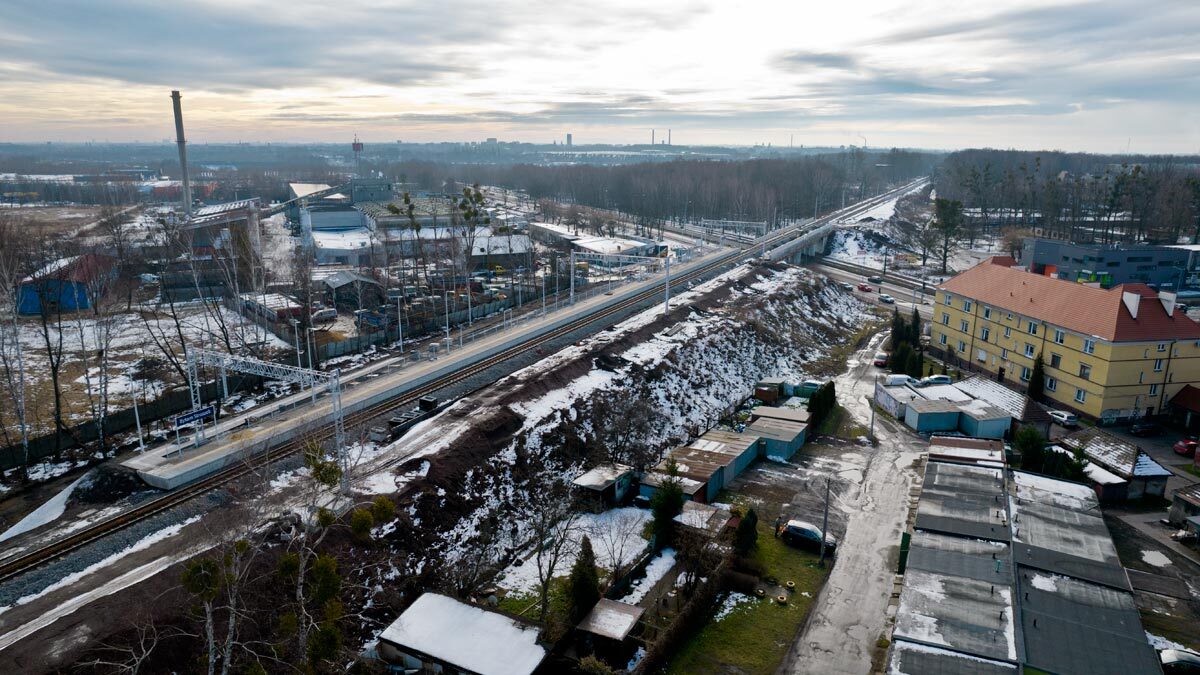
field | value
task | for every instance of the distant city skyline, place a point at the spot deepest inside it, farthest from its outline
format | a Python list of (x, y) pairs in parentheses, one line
[(1071, 75)]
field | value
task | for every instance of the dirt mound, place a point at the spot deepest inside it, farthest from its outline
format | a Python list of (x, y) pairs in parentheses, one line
[(107, 485)]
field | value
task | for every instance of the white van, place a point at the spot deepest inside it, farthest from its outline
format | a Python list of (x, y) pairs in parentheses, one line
[(899, 380), (324, 315)]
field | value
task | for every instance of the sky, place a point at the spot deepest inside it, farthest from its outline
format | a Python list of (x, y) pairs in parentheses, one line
[(1073, 75)]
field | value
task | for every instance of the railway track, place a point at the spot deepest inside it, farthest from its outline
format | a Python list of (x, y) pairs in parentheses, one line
[(13, 568)]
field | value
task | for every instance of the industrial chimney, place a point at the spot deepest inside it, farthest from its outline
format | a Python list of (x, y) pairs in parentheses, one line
[(187, 184)]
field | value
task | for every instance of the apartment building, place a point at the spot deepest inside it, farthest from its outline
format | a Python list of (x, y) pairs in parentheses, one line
[(1109, 354)]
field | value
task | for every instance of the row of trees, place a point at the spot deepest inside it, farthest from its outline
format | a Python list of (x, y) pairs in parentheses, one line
[(1077, 197), (908, 355)]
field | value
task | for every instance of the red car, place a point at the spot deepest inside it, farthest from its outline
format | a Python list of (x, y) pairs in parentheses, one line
[(865, 288), (881, 359), (1185, 447)]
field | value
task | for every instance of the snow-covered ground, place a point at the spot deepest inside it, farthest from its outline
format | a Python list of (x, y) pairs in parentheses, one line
[(48, 512), (731, 603), (655, 571)]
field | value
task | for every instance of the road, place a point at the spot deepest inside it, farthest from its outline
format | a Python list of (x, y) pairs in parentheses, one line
[(850, 613), (904, 296)]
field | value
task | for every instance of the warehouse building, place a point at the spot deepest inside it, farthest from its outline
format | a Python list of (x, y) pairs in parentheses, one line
[(1163, 267)]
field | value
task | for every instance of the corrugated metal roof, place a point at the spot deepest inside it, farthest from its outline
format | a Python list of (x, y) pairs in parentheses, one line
[(1114, 453)]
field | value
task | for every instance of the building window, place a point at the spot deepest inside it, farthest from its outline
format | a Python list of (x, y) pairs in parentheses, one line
[(1158, 365), (1141, 377), (1059, 336), (945, 319), (1007, 332), (964, 326), (1051, 384), (1085, 371), (1055, 360), (966, 305), (942, 339), (1026, 373), (1153, 389), (985, 333), (962, 347), (1033, 328), (981, 356), (1003, 354), (1089, 346), (948, 298), (1028, 350), (1162, 346), (1080, 396), (987, 312)]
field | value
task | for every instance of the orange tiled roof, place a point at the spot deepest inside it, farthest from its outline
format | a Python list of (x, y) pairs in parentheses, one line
[(1083, 309)]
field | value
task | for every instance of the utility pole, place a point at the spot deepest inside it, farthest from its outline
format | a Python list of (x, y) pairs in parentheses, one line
[(448, 339), (399, 319), (543, 294), (572, 299), (667, 286), (137, 417), (824, 524)]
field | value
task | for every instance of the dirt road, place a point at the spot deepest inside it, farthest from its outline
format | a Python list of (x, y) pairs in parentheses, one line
[(850, 613)]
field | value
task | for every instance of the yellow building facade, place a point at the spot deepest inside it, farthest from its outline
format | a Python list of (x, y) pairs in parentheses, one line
[(1107, 354)]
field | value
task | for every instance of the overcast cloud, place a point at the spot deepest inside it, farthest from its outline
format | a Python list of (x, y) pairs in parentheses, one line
[(1072, 75)]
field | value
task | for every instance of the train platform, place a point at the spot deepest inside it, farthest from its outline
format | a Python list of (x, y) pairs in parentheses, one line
[(236, 438)]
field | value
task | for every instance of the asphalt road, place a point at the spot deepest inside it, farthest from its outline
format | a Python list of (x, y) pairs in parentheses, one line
[(904, 296), (850, 613)]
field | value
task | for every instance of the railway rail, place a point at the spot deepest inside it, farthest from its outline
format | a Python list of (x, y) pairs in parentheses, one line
[(10, 569)]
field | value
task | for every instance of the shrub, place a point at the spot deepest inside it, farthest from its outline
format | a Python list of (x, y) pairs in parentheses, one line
[(361, 522)]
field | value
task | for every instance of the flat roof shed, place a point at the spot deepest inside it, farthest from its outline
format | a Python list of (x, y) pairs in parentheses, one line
[(785, 414), (739, 450), (780, 438), (611, 619)]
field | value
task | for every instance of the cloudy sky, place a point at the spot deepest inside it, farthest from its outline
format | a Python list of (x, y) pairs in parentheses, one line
[(1076, 75)]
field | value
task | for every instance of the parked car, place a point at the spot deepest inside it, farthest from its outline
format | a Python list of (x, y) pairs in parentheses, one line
[(805, 535), (1145, 429), (934, 379), (1066, 419), (865, 288), (1185, 447), (887, 299), (881, 359), (847, 285), (1179, 661), (875, 279)]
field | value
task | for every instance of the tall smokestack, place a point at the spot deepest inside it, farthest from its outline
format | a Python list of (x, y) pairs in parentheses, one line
[(668, 136), (652, 137), (187, 184)]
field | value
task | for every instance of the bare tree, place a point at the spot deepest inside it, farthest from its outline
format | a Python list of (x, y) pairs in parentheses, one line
[(554, 526), (618, 536)]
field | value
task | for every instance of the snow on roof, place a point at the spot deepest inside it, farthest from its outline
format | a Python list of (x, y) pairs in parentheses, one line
[(52, 267), (467, 637), (602, 476), (305, 189), (982, 410), (1115, 454), (611, 619), (1190, 494), (690, 486), (912, 658), (609, 245), (501, 244), (343, 239), (1008, 400), (216, 209), (1096, 473), (704, 517), (1048, 490), (945, 392)]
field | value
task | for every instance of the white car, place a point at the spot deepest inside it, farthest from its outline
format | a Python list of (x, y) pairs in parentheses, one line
[(887, 299), (935, 379), (1064, 418)]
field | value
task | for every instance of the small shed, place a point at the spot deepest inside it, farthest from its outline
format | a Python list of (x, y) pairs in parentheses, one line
[(67, 284), (605, 631), (983, 420), (925, 416), (779, 438), (1185, 503), (704, 519), (692, 489), (978, 451), (785, 414), (350, 291), (605, 486), (440, 634), (894, 399), (707, 468), (736, 451), (1145, 477), (781, 385)]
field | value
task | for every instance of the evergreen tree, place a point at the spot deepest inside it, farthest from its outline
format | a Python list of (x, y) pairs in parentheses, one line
[(1037, 380), (915, 360), (914, 328), (899, 329), (666, 503), (746, 537), (584, 582), (1032, 448), (899, 360)]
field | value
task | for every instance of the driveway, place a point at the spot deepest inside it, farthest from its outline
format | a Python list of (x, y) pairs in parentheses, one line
[(850, 613)]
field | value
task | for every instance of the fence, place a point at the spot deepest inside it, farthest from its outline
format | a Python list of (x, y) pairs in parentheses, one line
[(170, 403)]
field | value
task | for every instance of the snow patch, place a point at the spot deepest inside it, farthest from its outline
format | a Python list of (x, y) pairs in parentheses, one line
[(655, 571), (47, 513), (1156, 558)]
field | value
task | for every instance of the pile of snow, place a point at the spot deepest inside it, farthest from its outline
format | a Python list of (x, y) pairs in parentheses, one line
[(47, 513), (856, 246), (1156, 558), (655, 571), (1160, 643), (732, 602)]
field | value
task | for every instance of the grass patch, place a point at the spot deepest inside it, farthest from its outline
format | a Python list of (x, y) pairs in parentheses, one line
[(755, 637), (840, 424), (1172, 628), (1192, 469)]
